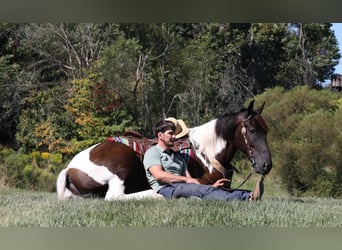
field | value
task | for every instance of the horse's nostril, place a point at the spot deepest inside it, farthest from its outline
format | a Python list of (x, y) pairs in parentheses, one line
[(267, 166)]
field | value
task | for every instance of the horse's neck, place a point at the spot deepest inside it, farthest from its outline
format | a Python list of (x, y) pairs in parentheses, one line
[(212, 150), (204, 138), (205, 143)]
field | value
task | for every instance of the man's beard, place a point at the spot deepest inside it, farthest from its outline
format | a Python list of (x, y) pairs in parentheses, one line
[(170, 143)]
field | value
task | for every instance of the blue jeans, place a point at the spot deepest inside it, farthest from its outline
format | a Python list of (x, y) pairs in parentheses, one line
[(205, 192)]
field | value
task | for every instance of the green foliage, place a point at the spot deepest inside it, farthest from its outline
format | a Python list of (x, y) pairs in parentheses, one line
[(119, 70), (63, 50), (12, 167), (310, 54), (303, 138), (32, 171), (44, 124), (92, 121)]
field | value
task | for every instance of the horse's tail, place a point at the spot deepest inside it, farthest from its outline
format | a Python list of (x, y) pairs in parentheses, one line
[(62, 191)]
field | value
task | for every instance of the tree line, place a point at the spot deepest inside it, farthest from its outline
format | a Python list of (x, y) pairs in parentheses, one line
[(66, 86)]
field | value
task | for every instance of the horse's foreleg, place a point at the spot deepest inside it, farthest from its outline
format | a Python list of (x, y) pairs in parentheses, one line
[(116, 189)]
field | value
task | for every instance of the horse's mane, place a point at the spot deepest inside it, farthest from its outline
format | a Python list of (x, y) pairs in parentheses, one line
[(225, 123)]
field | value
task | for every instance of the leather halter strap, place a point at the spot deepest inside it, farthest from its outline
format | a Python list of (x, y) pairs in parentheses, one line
[(249, 148)]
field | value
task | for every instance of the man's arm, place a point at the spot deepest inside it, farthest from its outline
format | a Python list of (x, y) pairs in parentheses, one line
[(165, 177), (219, 183)]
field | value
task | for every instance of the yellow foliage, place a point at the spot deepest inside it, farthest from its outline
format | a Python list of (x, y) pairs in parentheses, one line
[(35, 154), (45, 155), (339, 103)]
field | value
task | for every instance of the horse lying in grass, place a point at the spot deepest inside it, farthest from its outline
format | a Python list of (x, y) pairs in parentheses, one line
[(114, 170)]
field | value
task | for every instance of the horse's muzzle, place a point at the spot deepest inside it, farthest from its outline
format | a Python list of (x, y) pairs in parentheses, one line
[(263, 169)]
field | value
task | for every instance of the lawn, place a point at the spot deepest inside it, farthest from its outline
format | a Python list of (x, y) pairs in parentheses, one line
[(24, 208)]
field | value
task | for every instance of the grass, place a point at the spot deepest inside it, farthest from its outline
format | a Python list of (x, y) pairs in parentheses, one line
[(23, 208)]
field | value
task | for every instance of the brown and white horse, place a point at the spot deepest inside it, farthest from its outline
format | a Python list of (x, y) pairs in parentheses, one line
[(114, 170)]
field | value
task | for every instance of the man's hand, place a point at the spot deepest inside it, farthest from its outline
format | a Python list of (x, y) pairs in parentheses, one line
[(192, 180), (221, 183)]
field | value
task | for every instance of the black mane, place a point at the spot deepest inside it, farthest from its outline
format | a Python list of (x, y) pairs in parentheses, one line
[(225, 125)]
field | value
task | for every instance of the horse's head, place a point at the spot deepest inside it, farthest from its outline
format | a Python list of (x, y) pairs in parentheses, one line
[(251, 138)]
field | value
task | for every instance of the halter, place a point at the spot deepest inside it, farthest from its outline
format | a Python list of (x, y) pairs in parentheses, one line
[(249, 148)]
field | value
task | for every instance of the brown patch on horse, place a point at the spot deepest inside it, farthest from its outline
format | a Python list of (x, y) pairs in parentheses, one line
[(199, 171), (82, 184), (122, 161)]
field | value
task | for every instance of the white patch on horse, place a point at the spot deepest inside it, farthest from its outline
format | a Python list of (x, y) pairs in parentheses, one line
[(99, 173), (206, 143), (62, 192)]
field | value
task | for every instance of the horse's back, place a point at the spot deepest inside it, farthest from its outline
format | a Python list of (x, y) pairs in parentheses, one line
[(118, 158)]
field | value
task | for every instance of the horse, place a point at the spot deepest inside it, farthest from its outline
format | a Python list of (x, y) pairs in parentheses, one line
[(113, 169)]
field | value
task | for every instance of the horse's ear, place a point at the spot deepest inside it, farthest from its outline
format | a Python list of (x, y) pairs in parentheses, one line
[(261, 108), (250, 108)]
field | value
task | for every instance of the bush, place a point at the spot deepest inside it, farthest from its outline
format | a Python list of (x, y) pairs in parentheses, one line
[(304, 136), (32, 171)]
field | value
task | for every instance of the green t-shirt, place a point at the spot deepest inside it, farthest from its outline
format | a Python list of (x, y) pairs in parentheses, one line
[(171, 162)]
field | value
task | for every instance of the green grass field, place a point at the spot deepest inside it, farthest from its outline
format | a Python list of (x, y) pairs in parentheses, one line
[(23, 208)]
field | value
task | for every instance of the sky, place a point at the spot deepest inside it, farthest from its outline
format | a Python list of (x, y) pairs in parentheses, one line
[(337, 27)]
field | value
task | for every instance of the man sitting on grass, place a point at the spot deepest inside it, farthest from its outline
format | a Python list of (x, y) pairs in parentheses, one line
[(167, 171)]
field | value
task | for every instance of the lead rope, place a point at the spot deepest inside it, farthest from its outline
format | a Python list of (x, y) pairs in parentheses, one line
[(246, 179)]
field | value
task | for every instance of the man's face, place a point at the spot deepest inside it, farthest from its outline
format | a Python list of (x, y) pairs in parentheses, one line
[(168, 137)]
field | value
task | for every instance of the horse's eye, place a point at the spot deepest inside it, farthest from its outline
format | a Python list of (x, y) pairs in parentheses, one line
[(252, 131)]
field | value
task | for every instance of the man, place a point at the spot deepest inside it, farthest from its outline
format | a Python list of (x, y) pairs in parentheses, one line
[(167, 171)]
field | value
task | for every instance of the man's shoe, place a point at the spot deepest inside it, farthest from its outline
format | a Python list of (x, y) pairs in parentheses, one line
[(258, 191)]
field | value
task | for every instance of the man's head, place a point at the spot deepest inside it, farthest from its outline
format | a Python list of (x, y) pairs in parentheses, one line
[(165, 132), (163, 126)]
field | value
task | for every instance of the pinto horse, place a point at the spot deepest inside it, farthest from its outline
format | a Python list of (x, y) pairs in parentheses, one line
[(114, 170)]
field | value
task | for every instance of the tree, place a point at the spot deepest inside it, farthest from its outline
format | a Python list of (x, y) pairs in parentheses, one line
[(151, 76), (59, 53), (311, 55), (64, 51), (93, 121), (12, 90), (44, 125)]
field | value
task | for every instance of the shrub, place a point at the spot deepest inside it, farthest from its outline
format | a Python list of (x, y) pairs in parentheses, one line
[(304, 137), (33, 171)]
